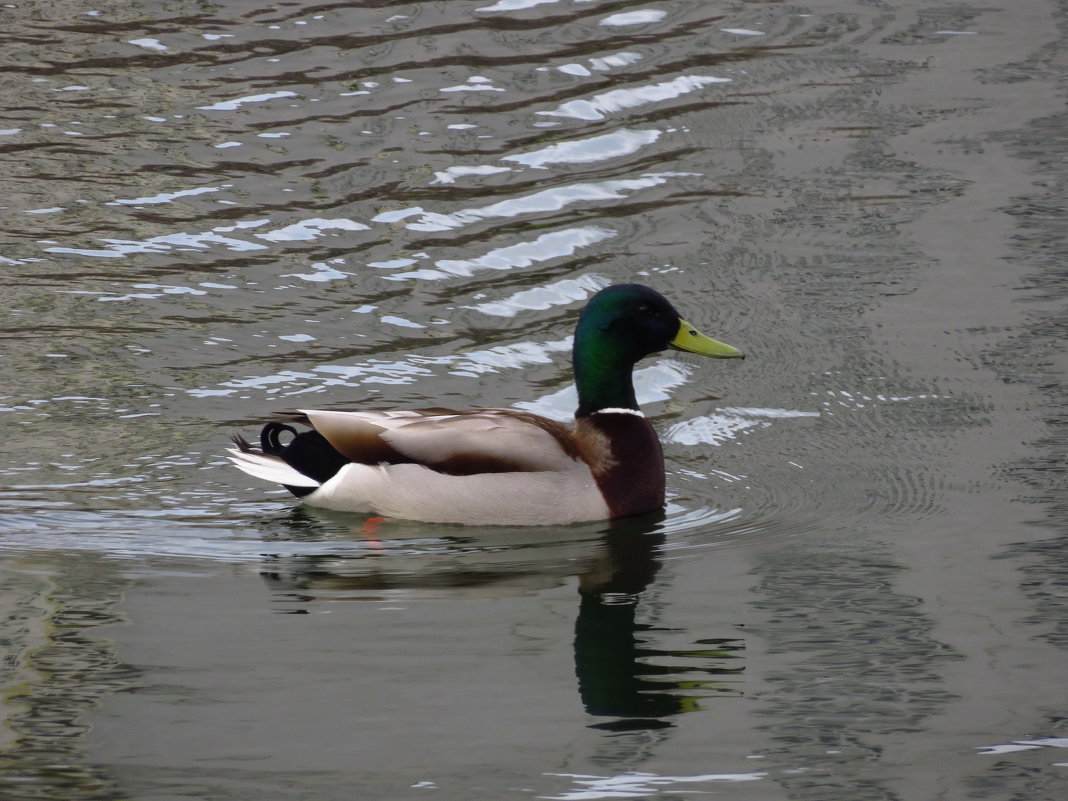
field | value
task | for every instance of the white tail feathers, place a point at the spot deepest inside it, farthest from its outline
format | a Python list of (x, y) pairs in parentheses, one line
[(269, 468)]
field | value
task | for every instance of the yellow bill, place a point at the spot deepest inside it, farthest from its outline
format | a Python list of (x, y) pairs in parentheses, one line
[(692, 340)]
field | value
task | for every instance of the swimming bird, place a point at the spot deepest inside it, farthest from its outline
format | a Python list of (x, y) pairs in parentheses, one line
[(497, 466)]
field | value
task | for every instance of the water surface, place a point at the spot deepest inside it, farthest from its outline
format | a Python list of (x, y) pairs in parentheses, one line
[(856, 590)]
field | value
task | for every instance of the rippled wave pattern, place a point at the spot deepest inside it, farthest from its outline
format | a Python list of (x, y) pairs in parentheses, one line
[(210, 211), (219, 214)]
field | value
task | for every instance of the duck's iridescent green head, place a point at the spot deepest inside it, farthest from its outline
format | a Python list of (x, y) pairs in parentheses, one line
[(620, 325)]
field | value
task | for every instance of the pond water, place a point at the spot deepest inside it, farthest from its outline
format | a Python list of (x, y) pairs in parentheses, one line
[(214, 210)]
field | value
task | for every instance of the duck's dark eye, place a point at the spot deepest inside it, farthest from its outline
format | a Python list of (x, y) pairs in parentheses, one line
[(645, 308)]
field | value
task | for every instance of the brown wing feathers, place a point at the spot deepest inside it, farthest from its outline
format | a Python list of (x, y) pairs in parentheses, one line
[(458, 443)]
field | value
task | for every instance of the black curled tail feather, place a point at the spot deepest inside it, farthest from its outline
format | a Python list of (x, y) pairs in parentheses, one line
[(307, 452), (270, 443)]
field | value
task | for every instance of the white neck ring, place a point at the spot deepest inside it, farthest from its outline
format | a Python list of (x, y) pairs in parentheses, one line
[(614, 410)]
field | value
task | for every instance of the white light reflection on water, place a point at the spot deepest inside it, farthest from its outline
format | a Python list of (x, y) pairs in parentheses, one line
[(558, 293), (621, 59), (119, 248), (547, 200), (652, 384), (302, 231), (514, 5), (714, 429), (450, 174), (642, 16), (237, 102), (619, 99), (682, 518), (1024, 745), (859, 400), (515, 356), (129, 534), (151, 44), (554, 245), (381, 371), (574, 69), (602, 64), (164, 289), (476, 83), (639, 785), (623, 142), (323, 272), (310, 229), (167, 197)]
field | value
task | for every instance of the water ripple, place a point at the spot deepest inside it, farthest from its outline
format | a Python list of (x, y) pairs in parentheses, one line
[(354, 203)]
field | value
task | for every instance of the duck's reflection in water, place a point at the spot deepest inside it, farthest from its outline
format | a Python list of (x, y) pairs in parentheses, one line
[(632, 675), (623, 676)]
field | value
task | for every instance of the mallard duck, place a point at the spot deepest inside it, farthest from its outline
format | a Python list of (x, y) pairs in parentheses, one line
[(498, 466)]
